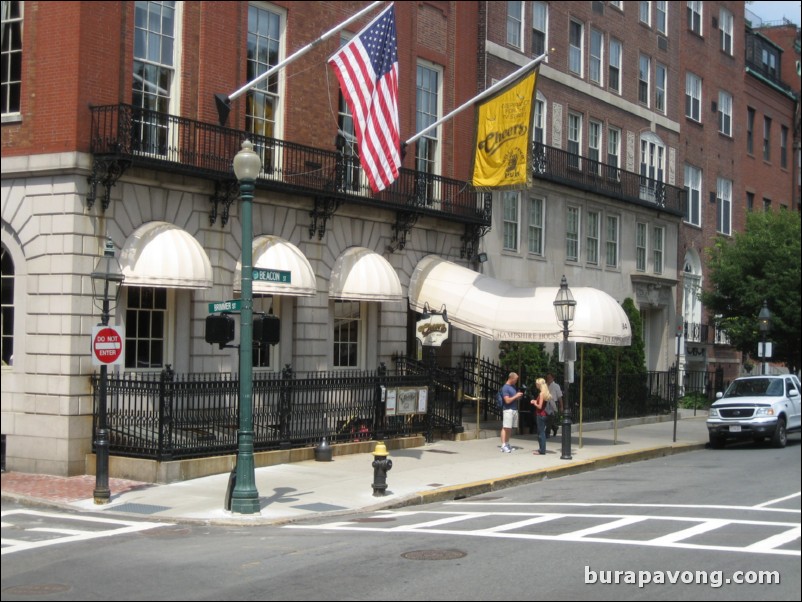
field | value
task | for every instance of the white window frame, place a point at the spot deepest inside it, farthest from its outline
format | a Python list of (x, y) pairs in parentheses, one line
[(613, 225), (645, 12), (693, 189), (592, 237), (695, 16), (652, 165), (573, 224), (693, 96), (644, 79), (431, 162), (540, 26), (613, 151), (12, 61), (641, 245), (537, 226), (511, 207), (724, 206), (725, 113), (615, 66), (661, 17), (360, 342), (574, 140), (658, 252), (660, 88), (576, 53), (515, 24), (726, 26), (595, 142), (596, 61), (132, 331)]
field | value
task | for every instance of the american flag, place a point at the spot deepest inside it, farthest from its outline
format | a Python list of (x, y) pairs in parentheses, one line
[(367, 68)]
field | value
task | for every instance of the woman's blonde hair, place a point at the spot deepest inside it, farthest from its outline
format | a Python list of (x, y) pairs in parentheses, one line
[(544, 388)]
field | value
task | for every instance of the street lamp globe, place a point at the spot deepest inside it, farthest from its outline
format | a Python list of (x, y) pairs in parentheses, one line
[(247, 163)]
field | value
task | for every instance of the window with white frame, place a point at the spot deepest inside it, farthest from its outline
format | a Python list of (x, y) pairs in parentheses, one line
[(575, 46), (614, 72), (154, 75), (693, 96), (536, 226), (694, 14), (613, 153), (725, 26), (348, 334), (725, 113), (596, 56), (574, 140), (693, 189), (539, 135), (724, 206), (515, 22), (644, 70), (264, 51), (592, 225), (645, 12), (540, 27), (427, 112), (146, 317), (640, 246), (658, 238), (11, 56), (617, 4), (661, 17), (594, 147), (572, 234), (652, 166), (611, 243), (660, 79), (511, 205)]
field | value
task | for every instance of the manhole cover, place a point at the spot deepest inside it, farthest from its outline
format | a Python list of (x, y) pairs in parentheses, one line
[(43, 589), (376, 519), (434, 555)]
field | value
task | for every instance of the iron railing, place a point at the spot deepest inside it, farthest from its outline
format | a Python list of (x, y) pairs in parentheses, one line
[(164, 141), (168, 416), (697, 333)]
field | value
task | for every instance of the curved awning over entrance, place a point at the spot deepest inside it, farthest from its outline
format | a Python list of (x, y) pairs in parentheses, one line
[(502, 312), (275, 253), (163, 255), (360, 274)]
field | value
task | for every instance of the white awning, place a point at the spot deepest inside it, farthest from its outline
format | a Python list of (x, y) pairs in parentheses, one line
[(502, 312), (360, 274), (275, 253), (162, 254)]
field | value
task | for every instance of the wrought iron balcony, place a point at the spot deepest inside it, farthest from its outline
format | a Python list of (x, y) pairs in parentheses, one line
[(562, 167), (124, 136), (697, 333)]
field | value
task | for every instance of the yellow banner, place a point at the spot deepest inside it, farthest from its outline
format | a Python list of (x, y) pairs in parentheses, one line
[(504, 137)]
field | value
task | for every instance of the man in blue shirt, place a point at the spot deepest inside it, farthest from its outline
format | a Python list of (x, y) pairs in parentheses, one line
[(509, 413)]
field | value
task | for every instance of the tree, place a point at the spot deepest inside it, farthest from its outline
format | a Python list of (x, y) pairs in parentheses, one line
[(762, 263)]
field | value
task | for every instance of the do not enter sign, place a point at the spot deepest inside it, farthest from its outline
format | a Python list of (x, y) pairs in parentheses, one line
[(107, 345)]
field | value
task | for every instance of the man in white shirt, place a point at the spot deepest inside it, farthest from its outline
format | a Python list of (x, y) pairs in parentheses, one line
[(553, 423)]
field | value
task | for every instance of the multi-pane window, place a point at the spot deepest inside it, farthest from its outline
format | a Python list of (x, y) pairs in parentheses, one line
[(750, 201), (724, 206), (725, 113), (660, 88), (783, 146), (615, 65), (596, 56), (145, 327), (592, 238), (572, 234), (644, 12), (7, 306), (594, 147), (750, 130), (611, 244), (767, 138), (575, 46), (725, 26), (574, 140), (613, 153), (11, 57), (540, 24), (769, 59), (693, 96), (351, 171), (426, 113), (536, 226), (264, 47), (510, 201), (347, 334), (694, 14), (515, 20), (661, 17), (658, 236), (540, 121), (644, 68), (693, 189), (154, 72), (640, 246)]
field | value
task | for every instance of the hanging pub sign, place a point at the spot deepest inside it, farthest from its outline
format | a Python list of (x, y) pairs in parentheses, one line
[(432, 329)]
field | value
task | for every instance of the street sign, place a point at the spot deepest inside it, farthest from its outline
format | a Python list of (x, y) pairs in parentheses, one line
[(272, 276), (221, 306), (107, 345)]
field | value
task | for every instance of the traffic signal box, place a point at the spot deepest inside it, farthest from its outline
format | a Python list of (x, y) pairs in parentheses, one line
[(220, 329)]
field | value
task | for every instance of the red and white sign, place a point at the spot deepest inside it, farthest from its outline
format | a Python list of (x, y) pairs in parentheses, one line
[(107, 345)]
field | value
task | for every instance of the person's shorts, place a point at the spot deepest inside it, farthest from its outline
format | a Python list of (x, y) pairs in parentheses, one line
[(510, 418)]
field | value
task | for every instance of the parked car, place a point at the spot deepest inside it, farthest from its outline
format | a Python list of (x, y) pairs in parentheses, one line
[(757, 408)]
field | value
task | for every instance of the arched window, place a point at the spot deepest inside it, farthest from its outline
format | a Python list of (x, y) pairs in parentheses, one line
[(7, 296)]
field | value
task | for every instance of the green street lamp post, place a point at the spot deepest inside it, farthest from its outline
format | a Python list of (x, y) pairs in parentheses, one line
[(245, 497), (764, 319), (564, 307), (107, 279)]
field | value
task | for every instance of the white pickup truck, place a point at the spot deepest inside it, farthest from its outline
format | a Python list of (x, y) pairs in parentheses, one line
[(756, 407)]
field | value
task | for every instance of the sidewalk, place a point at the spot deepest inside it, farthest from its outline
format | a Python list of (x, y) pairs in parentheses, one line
[(444, 470)]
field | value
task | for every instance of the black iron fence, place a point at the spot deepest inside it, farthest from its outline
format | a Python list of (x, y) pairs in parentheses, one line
[(168, 416)]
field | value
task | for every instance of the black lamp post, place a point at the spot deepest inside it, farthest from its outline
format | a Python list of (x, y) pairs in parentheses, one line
[(764, 318), (245, 497), (564, 307), (107, 279)]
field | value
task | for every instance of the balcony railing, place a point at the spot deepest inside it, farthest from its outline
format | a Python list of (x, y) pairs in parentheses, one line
[(696, 333), (163, 141), (556, 165)]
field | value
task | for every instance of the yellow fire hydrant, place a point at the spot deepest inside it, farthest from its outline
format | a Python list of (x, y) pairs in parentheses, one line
[(381, 464)]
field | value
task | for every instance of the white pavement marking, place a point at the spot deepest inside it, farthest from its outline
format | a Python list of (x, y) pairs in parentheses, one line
[(522, 523), (759, 507), (622, 522), (777, 540), (779, 499), (703, 527)]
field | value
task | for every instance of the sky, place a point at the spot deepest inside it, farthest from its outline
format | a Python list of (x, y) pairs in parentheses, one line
[(775, 11)]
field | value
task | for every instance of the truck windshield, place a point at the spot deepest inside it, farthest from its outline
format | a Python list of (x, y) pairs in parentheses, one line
[(755, 387)]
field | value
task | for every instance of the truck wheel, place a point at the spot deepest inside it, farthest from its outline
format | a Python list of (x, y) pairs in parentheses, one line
[(716, 441), (780, 437)]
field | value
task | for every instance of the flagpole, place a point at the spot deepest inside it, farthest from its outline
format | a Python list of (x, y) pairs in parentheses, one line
[(224, 102), (492, 89)]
